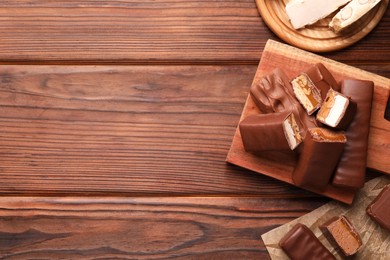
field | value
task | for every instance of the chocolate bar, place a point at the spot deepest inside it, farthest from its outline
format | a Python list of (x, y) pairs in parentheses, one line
[(351, 170), (300, 243), (387, 111), (306, 93), (379, 208), (320, 154), (322, 79), (340, 232), (337, 110), (274, 93), (266, 132)]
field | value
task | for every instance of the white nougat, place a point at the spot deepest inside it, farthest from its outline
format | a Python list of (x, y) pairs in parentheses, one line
[(305, 12)]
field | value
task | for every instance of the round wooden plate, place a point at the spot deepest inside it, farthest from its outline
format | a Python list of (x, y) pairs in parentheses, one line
[(317, 37)]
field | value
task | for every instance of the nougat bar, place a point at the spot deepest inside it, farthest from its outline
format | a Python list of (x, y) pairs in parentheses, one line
[(301, 243), (306, 93), (379, 208), (351, 170), (305, 12), (267, 132), (274, 93), (340, 232), (352, 12), (322, 79), (337, 110), (320, 154)]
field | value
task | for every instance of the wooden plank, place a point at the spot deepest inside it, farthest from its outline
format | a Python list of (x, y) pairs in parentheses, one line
[(153, 31), (124, 130), (142, 228), (293, 61)]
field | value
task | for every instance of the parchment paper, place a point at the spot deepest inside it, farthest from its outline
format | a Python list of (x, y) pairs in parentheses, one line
[(376, 240)]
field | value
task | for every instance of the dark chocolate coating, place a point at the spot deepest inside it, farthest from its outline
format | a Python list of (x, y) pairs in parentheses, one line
[(300, 243), (351, 170), (341, 234), (264, 132), (317, 162), (387, 111), (379, 208), (322, 79), (348, 116), (274, 93)]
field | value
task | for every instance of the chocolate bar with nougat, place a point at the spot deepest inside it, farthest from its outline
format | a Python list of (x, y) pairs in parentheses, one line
[(267, 132), (337, 110), (307, 93), (322, 149), (301, 243), (351, 169), (341, 233), (273, 93), (322, 79)]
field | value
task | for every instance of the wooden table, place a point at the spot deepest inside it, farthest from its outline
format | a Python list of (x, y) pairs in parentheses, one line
[(115, 121)]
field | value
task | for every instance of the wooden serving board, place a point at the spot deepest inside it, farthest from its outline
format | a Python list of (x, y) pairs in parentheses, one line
[(280, 165), (317, 37)]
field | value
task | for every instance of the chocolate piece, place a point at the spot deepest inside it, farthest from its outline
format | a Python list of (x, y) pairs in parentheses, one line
[(379, 208), (307, 93), (300, 243), (266, 132), (341, 232), (387, 111), (322, 79), (337, 110), (351, 170), (320, 154), (274, 93)]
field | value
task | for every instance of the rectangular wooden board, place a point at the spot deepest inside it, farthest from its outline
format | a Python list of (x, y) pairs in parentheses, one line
[(280, 165)]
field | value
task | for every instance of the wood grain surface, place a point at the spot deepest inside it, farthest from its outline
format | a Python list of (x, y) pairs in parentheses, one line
[(142, 228), (137, 102)]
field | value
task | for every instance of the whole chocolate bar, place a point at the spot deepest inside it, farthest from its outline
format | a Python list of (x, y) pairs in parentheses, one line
[(322, 149), (274, 93), (351, 170), (379, 208), (322, 79), (337, 110), (266, 132), (300, 243), (340, 231)]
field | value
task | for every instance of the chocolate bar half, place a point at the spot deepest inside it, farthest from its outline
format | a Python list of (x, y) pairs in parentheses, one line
[(379, 208), (337, 110), (300, 243), (274, 93), (351, 170), (266, 132), (320, 154), (340, 231), (322, 79), (307, 93)]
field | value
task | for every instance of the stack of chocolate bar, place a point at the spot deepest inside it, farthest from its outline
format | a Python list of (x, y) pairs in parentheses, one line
[(325, 123)]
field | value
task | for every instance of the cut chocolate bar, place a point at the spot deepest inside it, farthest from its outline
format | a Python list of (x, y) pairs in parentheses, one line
[(266, 132), (340, 231), (320, 154), (379, 208), (322, 79), (274, 93), (300, 243), (351, 170), (337, 110), (307, 93)]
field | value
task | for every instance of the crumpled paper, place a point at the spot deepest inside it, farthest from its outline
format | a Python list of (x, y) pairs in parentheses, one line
[(376, 240)]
